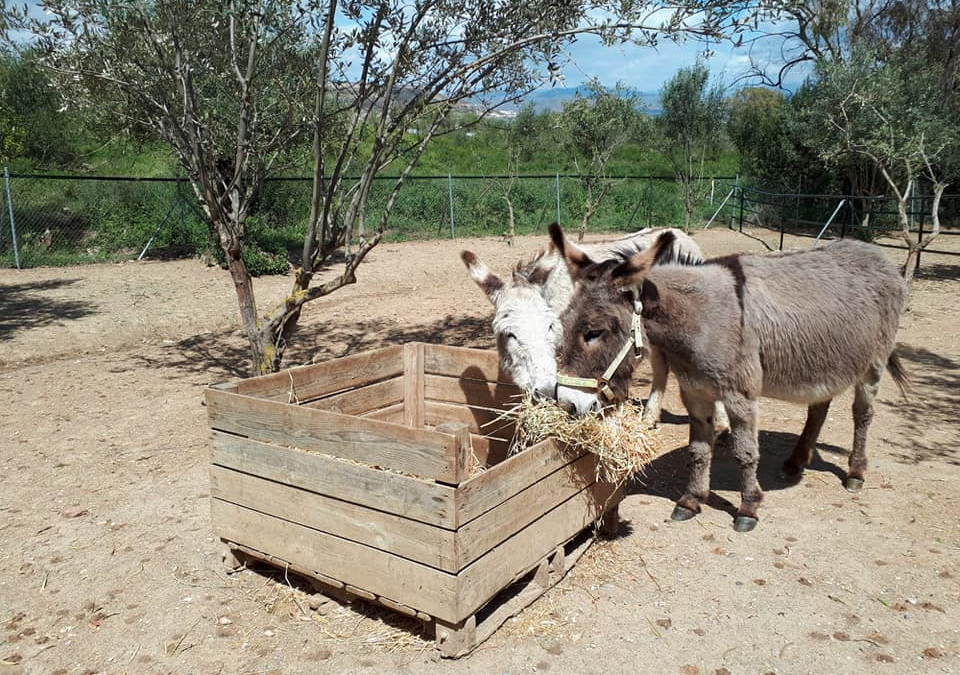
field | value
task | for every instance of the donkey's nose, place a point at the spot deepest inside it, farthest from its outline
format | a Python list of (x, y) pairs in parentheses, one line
[(568, 407), (546, 392)]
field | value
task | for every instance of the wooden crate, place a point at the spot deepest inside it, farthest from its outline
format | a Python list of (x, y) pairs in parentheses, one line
[(362, 473)]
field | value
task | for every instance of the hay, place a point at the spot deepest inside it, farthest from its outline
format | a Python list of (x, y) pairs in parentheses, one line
[(622, 444)]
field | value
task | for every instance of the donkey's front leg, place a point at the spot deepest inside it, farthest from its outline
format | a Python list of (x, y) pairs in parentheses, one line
[(701, 452), (660, 370), (743, 430)]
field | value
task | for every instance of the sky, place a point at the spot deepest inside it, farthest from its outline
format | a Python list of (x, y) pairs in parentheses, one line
[(648, 68)]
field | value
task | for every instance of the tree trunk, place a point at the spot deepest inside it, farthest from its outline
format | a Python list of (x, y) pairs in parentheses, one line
[(588, 212)]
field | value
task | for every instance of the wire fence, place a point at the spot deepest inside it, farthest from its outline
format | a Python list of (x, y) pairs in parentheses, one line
[(59, 220), (818, 216)]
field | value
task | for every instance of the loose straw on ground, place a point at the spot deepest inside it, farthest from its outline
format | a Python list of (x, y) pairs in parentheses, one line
[(622, 444)]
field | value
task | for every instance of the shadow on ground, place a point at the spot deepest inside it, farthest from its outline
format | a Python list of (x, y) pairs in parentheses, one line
[(25, 306), (932, 404), (666, 476), (225, 354)]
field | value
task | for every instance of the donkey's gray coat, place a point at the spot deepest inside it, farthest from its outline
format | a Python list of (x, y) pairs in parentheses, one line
[(799, 326)]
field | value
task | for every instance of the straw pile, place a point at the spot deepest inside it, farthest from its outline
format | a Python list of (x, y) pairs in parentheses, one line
[(622, 444)]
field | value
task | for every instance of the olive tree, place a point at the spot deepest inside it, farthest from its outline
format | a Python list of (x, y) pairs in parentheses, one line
[(233, 86), (594, 127), (888, 113), (690, 124)]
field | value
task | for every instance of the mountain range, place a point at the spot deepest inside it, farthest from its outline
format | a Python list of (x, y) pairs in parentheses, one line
[(552, 99)]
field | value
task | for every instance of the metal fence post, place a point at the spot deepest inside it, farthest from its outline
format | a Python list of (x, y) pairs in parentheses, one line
[(13, 223), (450, 196), (916, 268), (649, 201), (558, 196), (740, 215)]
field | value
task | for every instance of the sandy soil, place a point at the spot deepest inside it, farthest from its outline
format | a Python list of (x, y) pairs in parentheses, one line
[(108, 563)]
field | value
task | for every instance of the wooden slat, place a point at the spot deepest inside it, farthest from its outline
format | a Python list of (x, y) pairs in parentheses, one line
[(427, 544), (487, 576), (489, 451), (464, 444), (476, 364), (456, 641), (498, 483), (392, 413), (425, 588), (500, 523), (308, 382), (420, 452), (424, 501), (470, 392), (413, 384), (479, 420), (362, 399)]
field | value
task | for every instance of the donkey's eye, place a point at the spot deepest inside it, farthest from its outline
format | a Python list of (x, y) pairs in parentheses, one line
[(511, 336), (592, 336)]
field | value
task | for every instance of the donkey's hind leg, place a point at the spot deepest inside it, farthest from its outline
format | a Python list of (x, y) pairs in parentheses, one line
[(803, 452), (701, 452), (658, 364), (864, 394)]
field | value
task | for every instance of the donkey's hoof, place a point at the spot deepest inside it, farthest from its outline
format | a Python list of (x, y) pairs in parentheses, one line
[(682, 513), (744, 523), (853, 484), (789, 472)]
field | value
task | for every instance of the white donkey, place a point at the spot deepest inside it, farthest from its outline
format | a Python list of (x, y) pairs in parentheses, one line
[(528, 305)]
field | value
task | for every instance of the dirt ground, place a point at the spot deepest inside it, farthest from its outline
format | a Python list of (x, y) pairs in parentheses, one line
[(108, 563)]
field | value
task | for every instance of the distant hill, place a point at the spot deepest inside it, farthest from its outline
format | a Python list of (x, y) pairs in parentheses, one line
[(552, 99)]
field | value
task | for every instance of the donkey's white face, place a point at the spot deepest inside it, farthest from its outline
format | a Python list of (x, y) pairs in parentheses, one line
[(527, 330)]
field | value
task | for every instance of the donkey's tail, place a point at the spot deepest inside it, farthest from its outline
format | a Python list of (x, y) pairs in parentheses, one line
[(899, 373)]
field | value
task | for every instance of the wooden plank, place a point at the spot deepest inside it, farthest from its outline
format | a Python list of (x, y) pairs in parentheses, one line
[(516, 556), (463, 362), (420, 452), (427, 502), (427, 544), (470, 392), (413, 384), (479, 420), (488, 451), (506, 479), (419, 586), (392, 413), (534, 588), (362, 399), (503, 521), (308, 382), (464, 447)]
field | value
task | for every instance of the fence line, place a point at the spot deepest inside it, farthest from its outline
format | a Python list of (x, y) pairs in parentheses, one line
[(64, 219), (814, 215)]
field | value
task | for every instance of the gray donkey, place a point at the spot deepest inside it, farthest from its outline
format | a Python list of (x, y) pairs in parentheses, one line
[(799, 326), (528, 304)]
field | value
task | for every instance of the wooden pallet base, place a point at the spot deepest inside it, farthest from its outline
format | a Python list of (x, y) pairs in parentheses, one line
[(454, 640)]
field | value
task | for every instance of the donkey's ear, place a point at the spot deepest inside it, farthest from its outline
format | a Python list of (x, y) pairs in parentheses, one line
[(577, 259), (631, 273), (479, 272)]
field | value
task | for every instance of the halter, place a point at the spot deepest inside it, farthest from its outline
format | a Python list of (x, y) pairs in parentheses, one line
[(602, 384)]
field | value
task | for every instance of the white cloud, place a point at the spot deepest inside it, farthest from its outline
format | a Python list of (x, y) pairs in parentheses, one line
[(648, 68)]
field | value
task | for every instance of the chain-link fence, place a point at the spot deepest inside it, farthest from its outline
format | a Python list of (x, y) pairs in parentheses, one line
[(58, 220), (873, 218)]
